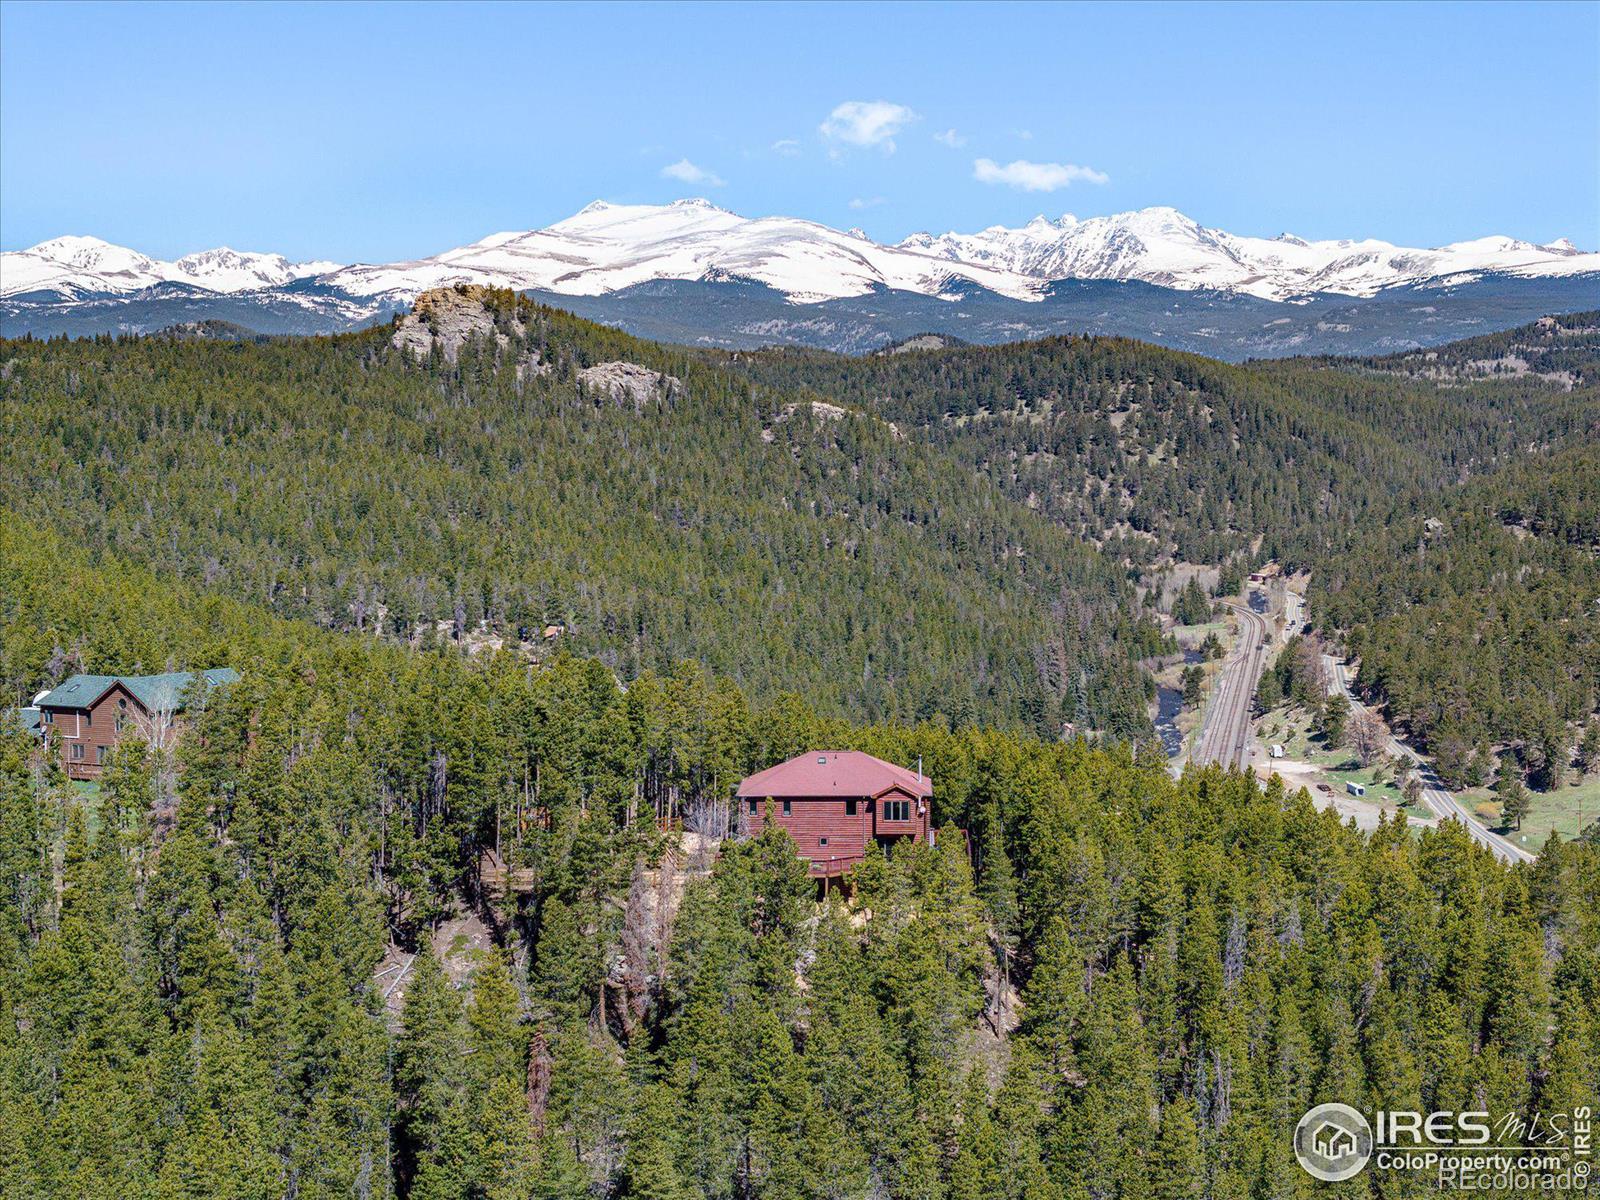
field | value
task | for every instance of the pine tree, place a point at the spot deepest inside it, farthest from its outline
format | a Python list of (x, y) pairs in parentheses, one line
[(649, 1161), (1179, 1172)]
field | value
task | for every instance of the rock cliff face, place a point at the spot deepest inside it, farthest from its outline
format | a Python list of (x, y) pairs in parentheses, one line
[(628, 383), (449, 317)]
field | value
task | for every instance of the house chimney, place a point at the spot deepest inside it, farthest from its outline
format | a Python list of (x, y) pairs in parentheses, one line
[(919, 768)]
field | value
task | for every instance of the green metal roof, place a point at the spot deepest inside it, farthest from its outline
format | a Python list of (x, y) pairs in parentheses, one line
[(152, 691), (29, 718)]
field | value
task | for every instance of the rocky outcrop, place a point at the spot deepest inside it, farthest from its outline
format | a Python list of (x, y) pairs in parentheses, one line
[(923, 341), (449, 317), (628, 383), (820, 410)]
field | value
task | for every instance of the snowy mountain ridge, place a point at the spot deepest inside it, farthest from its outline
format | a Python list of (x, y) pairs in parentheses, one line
[(607, 247), (1164, 247), (87, 265)]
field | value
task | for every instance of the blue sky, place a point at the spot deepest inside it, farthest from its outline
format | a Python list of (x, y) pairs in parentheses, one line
[(375, 132)]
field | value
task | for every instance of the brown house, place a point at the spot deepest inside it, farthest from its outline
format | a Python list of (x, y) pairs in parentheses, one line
[(88, 714), (835, 803)]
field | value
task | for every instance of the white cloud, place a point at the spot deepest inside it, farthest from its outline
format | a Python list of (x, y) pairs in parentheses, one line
[(867, 123), (787, 147), (868, 201), (950, 138), (685, 171), (1035, 177)]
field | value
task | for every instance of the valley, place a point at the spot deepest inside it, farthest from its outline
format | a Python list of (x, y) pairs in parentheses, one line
[(1226, 737), (516, 600), (1011, 613)]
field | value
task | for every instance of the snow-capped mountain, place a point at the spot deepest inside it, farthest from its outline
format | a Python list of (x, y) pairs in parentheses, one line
[(81, 266), (608, 247), (693, 272), (1164, 247)]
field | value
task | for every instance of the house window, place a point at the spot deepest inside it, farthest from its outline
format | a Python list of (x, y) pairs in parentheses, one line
[(77, 751), (99, 755), (849, 808), (122, 713), (752, 807), (822, 841), (786, 808), (897, 810), (49, 718)]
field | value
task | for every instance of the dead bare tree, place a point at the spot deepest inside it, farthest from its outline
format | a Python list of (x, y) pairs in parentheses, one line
[(709, 816), (1368, 735), (158, 725), (1312, 670)]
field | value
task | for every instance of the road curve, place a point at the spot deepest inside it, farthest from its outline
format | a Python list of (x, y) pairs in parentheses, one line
[(1225, 733), (1434, 794)]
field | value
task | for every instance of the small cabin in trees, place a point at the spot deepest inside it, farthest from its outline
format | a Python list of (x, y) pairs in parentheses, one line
[(835, 803), (88, 714)]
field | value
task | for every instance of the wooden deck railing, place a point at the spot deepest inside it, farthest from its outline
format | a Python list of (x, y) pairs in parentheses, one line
[(835, 864)]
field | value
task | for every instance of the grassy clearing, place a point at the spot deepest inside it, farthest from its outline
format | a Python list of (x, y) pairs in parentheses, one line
[(89, 798), (1557, 810), (1378, 781), (1291, 728)]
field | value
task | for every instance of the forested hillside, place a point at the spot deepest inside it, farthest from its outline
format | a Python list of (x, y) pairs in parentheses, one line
[(342, 482), (1156, 452), (1475, 612), (1443, 501), (1559, 350), (1478, 624), (200, 1012), (898, 535)]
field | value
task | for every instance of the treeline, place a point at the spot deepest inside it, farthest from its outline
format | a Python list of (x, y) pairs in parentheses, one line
[(335, 481), (195, 1013), (1477, 626)]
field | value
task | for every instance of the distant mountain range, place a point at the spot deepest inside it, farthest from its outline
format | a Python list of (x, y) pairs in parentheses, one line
[(701, 274), (71, 267)]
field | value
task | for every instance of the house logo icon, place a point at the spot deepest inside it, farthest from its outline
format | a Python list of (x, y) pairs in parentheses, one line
[(1333, 1142)]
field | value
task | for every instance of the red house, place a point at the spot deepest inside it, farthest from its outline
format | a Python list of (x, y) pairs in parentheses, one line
[(834, 803)]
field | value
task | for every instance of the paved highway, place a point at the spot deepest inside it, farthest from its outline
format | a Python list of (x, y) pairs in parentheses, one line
[(1434, 795), (1225, 734)]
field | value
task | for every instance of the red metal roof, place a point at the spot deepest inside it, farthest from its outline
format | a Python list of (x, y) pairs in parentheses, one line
[(845, 773)]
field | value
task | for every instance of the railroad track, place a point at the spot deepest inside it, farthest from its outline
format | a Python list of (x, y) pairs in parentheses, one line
[(1225, 735)]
